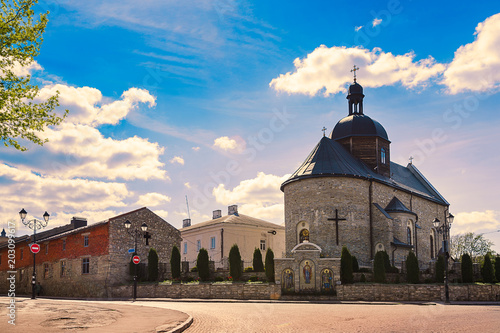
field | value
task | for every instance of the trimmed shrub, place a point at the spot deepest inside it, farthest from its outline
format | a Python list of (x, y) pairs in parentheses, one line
[(194, 269), (467, 273), (270, 265), (248, 269), (363, 278), (235, 262), (355, 265), (202, 264), (440, 266), (412, 270), (152, 265), (346, 275), (379, 268), (387, 262), (487, 270), (175, 263), (497, 268), (258, 265)]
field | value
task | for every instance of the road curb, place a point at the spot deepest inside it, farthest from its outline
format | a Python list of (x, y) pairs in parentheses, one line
[(182, 327)]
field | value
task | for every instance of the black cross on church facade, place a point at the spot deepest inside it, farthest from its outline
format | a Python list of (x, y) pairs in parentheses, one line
[(147, 236), (337, 219)]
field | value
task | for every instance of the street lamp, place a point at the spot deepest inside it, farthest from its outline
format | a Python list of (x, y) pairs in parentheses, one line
[(135, 233), (444, 228), (34, 224)]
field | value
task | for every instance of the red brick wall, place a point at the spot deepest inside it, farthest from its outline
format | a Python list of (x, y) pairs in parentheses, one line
[(98, 245)]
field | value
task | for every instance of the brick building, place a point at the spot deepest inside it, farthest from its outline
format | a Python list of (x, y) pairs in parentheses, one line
[(83, 260), (348, 193)]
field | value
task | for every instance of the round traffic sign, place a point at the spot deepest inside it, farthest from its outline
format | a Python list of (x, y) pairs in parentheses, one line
[(35, 248), (136, 260)]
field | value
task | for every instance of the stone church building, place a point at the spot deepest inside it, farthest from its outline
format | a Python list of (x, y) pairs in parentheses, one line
[(349, 193)]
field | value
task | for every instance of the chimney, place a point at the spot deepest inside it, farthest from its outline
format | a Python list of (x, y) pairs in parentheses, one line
[(232, 210), (186, 223), (216, 214), (78, 222)]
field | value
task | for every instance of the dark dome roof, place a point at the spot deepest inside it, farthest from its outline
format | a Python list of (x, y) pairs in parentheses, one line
[(358, 125), (355, 88)]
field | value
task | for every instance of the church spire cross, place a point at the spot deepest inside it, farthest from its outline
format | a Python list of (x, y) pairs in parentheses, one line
[(337, 219), (411, 159), (354, 71), (324, 130)]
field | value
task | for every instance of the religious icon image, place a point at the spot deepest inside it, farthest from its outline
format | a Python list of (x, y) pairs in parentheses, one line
[(304, 235), (326, 280), (307, 272), (288, 284)]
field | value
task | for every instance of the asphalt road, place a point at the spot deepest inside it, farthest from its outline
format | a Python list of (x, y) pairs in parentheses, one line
[(359, 317)]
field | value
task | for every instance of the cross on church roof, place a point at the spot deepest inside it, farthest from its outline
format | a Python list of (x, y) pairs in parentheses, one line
[(324, 130), (411, 159), (354, 70)]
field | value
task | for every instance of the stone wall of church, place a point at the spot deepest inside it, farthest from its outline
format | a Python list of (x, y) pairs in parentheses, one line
[(314, 200)]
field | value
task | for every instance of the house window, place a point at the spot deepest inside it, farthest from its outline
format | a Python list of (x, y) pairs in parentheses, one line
[(198, 245), (45, 271), (212, 242), (185, 247), (47, 248), (85, 265), (86, 241), (263, 244), (383, 157), (64, 245), (22, 254), (63, 268), (21, 275)]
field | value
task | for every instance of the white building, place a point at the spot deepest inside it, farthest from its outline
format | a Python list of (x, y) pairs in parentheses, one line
[(218, 235)]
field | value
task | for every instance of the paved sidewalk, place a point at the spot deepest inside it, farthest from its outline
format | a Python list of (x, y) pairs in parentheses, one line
[(48, 315)]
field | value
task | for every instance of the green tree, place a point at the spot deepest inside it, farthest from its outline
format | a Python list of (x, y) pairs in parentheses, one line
[(387, 262), (258, 265), (175, 263), (20, 40), (355, 264), (235, 262), (412, 269), (467, 273), (152, 265), (475, 245), (270, 265), (487, 270), (379, 267), (202, 264), (440, 266), (346, 275), (497, 268)]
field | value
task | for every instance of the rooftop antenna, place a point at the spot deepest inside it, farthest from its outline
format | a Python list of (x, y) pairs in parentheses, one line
[(187, 204)]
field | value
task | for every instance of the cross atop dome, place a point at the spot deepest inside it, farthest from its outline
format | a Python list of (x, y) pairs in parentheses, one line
[(354, 70)]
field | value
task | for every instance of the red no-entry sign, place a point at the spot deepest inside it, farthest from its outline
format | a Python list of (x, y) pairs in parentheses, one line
[(136, 260), (35, 248)]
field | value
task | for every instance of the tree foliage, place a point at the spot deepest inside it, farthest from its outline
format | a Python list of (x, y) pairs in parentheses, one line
[(467, 272), (21, 38), (476, 246), (346, 276), (412, 269), (258, 265), (152, 265), (235, 262), (497, 268), (487, 270), (355, 264), (175, 263), (270, 265), (440, 267), (203, 265), (379, 267)]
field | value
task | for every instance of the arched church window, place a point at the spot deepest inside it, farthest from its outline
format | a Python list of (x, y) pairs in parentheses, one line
[(304, 236), (432, 246), (383, 157), (379, 247), (409, 233)]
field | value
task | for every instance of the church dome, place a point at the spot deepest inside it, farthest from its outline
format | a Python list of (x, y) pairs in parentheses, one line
[(355, 88), (358, 125)]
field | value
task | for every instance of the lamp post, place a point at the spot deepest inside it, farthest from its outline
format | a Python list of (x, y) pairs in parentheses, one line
[(34, 224), (135, 233), (444, 228)]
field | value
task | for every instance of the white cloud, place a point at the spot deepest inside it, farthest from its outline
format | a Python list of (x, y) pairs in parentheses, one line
[(234, 144), (161, 213), (187, 185), (21, 70), (376, 22), (196, 148), (487, 220), (153, 199), (358, 28), (328, 69), (476, 66), (177, 159)]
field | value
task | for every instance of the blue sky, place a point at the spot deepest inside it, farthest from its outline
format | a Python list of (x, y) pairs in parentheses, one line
[(220, 100)]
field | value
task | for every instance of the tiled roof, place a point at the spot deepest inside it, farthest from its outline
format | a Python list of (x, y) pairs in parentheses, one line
[(238, 219), (397, 206)]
